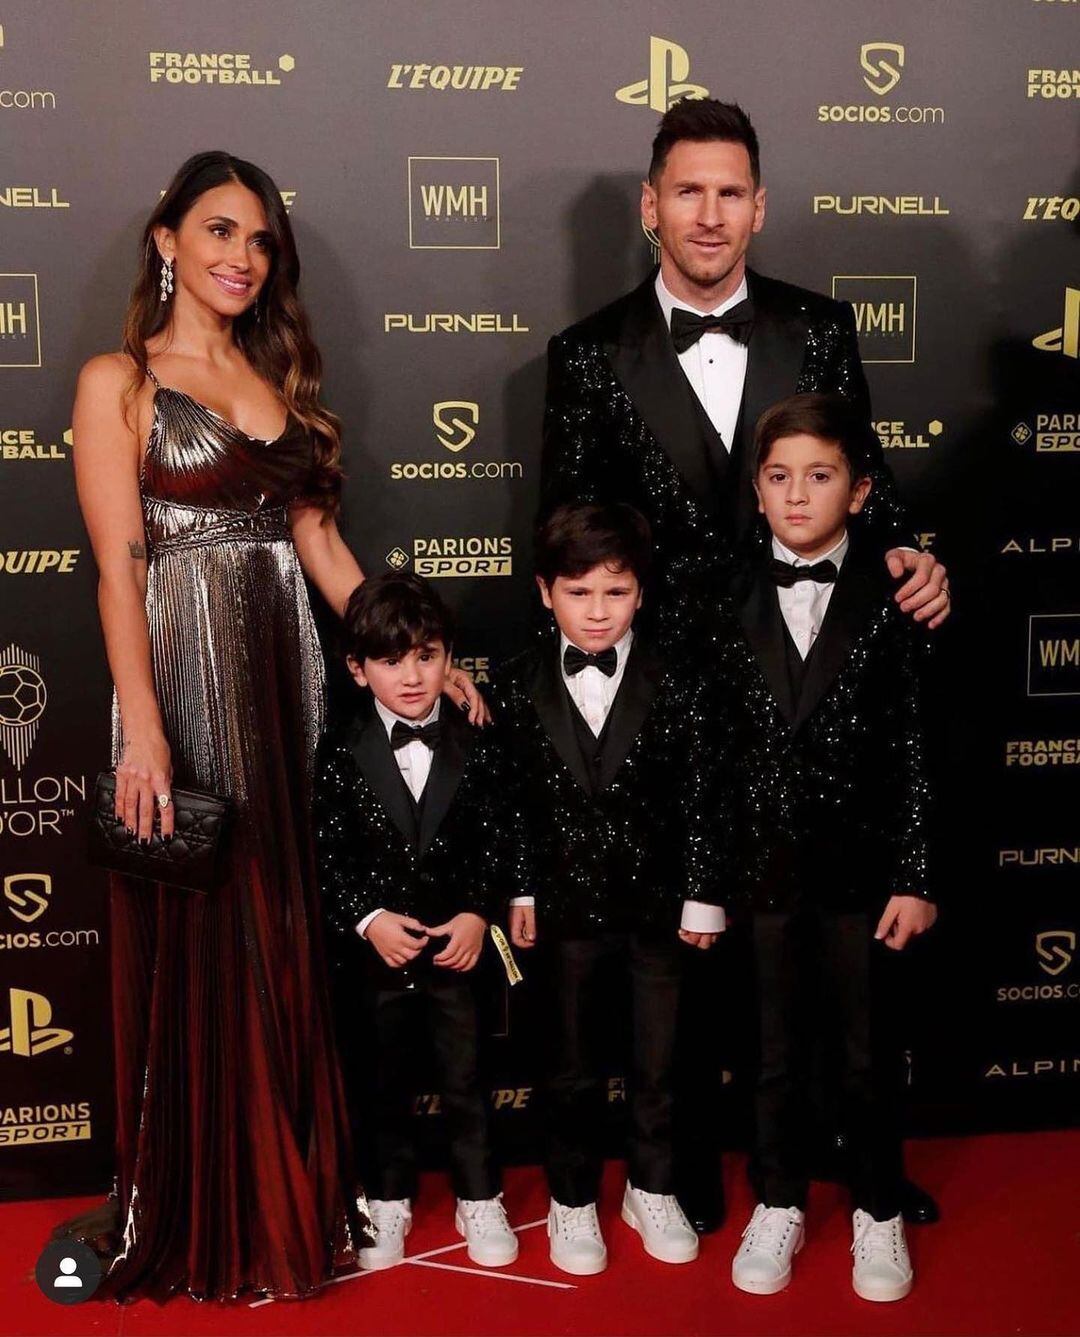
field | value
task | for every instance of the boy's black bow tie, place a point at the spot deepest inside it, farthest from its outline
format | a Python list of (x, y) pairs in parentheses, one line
[(785, 575), (401, 735), (687, 329), (574, 660)]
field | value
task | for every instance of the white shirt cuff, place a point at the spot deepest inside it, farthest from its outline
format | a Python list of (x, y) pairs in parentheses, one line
[(522, 900), (362, 927), (699, 917)]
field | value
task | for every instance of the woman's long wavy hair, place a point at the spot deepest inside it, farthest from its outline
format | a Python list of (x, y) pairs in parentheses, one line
[(273, 333)]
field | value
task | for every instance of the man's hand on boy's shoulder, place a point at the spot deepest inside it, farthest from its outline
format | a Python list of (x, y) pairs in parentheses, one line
[(925, 594), (465, 934), (904, 918), (398, 939)]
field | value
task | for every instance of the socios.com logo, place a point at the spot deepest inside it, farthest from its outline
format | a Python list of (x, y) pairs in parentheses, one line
[(1054, 949), (27, 895), (456, 421), (669, 66), (882, 63)]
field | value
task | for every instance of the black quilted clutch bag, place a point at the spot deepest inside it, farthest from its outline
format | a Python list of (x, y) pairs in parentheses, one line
[(195, 857)]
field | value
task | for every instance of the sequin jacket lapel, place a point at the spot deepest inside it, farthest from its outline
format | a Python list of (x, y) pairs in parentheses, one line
[(619, 426), (833, 787), (625, 852), (373, 852)]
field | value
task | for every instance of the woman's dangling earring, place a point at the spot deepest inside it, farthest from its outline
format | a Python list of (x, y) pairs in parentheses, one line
[(166, 280)]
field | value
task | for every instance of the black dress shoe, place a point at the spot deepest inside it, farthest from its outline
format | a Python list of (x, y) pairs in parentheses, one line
[(917, 1207)]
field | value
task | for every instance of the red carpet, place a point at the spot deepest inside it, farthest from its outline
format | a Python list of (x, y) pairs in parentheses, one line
[(1005, 1260)]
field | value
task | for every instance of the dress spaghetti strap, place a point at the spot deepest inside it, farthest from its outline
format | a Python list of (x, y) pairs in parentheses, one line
[(153, 377)]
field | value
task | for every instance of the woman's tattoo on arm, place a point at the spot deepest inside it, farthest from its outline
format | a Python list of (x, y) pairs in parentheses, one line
[(136, 549)]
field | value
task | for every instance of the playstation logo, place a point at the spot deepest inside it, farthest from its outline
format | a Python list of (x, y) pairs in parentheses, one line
[(669, 65), (1065, 339), (29, 1032)]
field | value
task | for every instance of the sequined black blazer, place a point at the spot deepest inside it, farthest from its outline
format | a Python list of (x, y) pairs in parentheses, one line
[(617, 847), (622, 423), (821, 787), (376, 851)]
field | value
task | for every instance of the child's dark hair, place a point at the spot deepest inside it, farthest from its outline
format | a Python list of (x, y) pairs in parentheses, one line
[(827, 417), (580, 535), (390, 614)]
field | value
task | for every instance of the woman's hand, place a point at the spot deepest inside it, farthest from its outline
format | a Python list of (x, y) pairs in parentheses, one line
[(463, 692), (143, 775)]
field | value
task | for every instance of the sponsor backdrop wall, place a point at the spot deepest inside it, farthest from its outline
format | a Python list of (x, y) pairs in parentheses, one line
[(463, 181)]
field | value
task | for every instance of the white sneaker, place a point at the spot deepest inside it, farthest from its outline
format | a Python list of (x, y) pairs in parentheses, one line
[(773, 1237), (882, 1269), (392, 1219), (576, 1243), (661, 1223), (483, 1225)]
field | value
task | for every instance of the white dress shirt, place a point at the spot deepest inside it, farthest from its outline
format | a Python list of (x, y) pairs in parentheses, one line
[(803, 606), (715, 366), (593, 692), (414, 763)]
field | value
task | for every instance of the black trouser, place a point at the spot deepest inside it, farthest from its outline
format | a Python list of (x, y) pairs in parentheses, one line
[(382, 1044), (820, 974), (587, 990)]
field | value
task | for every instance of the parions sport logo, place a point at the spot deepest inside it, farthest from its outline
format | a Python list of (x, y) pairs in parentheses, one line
[(231, 69), (1049, 433), (32, 1125), (456, 555), (882, 66)]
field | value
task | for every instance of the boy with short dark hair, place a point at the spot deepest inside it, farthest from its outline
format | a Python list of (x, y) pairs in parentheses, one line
[(826, 800), (604, 795), (405, 837)]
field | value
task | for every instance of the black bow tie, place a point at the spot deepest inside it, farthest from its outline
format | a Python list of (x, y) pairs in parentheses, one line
[(785, 575), (401, 735), (687, 329), (574, 660)]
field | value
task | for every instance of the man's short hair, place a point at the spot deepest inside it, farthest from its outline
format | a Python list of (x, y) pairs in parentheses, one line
[(392, 613), (826, 417), (579, 536), (704, 119)]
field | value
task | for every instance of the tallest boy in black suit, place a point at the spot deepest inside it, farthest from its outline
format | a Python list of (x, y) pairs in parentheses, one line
[(653, 399)]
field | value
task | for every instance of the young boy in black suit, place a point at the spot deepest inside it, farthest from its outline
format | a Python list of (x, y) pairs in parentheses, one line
[(604, 793), (826, 803), (405, 838)]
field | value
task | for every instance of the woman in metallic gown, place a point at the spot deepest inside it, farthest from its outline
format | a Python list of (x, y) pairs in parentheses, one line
[(208, 475)]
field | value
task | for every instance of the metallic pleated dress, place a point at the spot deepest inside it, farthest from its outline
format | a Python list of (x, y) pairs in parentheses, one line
[(234, 1166)]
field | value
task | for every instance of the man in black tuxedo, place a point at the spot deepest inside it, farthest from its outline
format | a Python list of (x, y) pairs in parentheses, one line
[(408, 866), (653, 401)]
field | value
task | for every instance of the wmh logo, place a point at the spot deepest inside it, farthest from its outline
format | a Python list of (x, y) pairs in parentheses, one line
[(20, 331), (885, 307), (1054, 654), (454, 204)]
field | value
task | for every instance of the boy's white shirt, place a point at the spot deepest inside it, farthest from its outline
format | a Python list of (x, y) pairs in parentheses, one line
[(804, 605), (593, 692)]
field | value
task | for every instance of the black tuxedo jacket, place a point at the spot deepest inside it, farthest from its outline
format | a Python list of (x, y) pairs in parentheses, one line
[(613, 843), (377, 848), (822, 788), (622, 423)]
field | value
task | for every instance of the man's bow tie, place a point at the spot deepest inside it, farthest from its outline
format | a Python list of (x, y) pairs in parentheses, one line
[(687, 329), (401, 735), (574, 660), (785, 575)]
